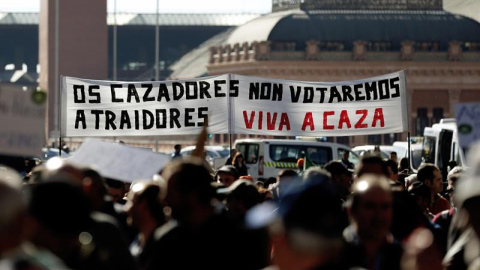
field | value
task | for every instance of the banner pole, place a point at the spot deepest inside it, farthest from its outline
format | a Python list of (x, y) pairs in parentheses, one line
[(409, 153), (229, 114), (408, 121), (60, 96)]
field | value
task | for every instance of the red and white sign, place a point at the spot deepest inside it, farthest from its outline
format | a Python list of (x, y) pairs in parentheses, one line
[(235, 104)]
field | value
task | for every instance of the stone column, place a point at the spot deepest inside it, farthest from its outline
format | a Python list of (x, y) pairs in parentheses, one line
[(359, 50), (219, 54), (245, 51), (236, 52), (453, 97), (454, 51), (213, 51), (406, 53), (228, 52), (311, 52)]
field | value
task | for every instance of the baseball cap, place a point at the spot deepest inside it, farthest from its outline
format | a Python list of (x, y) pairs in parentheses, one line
[(310, 210), (228, 169)]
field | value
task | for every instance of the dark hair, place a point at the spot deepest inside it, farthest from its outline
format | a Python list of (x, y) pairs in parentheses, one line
[(287, 173), (404, 165), (151, 195), (114, 183), (269, 181), (97, 180), (238, 155), (393, 165), (371, 160), (59, 206), (407, 215), (192, 177), (419, 189), (426, 172)]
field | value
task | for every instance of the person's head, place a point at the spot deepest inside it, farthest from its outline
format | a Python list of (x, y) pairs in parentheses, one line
[(188, 187), (453, 175), (370, 207), (371, 164), (471, 205), (341, 176), (300, 164), (452, 164), (392, 169), (13, 226), (269, 181), (393, 156), (316, 174), (306, 229), (226, 175), (238, 159), (233, 152), (345, 155), (61, 212), (409, 180), (287, 176), (241, 196), (116, 189), (145, 207), (57, 169), (421, 194), (430, 175), (403, 166), (177, 148), (452, 178), (95, 188)]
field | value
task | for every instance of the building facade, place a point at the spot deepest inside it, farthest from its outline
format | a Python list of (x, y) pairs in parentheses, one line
[(341, 41)]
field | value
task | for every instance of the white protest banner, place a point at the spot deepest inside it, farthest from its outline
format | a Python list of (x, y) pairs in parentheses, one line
[(22, 118), (118, 161), (236, 104), (467, 116), (106, 108), (291, 108)]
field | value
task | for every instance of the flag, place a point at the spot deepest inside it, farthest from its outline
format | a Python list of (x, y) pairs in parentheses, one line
[(307, 163)]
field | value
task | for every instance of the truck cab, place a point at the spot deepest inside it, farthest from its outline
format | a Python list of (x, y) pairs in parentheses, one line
[(267, 157), (440, 145)]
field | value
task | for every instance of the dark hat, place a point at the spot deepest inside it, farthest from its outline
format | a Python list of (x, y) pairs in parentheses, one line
[(229, 169), (337, 168), (239, 185), (310, 208), (242, 189)]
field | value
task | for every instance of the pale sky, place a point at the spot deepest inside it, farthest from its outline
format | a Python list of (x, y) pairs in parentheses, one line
[(150, 6)]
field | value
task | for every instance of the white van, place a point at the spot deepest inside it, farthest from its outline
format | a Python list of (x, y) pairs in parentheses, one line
[(416, 150), (440, 145), (267, 157)]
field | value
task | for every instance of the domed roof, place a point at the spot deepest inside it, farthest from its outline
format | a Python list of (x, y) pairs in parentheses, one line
[(348, 26), (342, 26)]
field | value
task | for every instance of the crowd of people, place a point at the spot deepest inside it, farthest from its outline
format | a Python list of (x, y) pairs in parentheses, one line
[(376, 214)]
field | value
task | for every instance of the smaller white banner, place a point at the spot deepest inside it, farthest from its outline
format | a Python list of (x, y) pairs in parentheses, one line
[(118, 161)]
